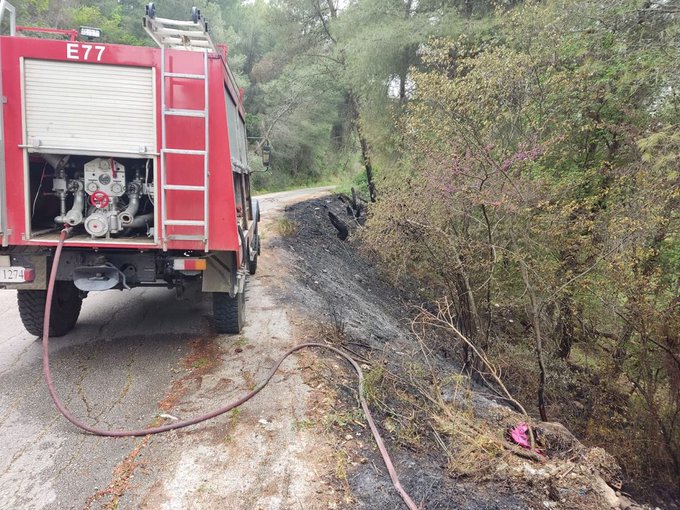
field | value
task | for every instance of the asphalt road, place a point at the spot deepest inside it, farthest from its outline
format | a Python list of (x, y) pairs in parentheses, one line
[(277, 201), (115, 367), (112, 370)]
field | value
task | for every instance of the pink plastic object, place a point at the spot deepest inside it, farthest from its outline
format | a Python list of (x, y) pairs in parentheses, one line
[(520, 435)]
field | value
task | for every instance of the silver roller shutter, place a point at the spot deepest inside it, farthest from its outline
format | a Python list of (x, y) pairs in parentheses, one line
[(79, 108)]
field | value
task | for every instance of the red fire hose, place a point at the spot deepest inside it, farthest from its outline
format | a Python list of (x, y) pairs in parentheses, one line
[(185, 423)]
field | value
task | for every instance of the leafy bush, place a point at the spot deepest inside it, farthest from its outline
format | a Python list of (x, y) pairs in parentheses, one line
[(539, 193)]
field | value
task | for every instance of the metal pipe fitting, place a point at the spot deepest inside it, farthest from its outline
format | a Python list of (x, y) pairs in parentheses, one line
[(126, 217), (75, 215), (142, 220)]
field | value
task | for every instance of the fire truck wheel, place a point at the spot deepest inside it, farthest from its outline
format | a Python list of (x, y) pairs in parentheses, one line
[(65, 309), (229, 312)]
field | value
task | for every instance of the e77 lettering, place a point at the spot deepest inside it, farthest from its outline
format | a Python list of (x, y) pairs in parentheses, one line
[(75, 51)]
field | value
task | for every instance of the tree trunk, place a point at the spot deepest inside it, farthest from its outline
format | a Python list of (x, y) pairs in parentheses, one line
[(365, 149), (402, 86), (468, 316), (566, 328), (366, 156), (332, 8), (538, 339)]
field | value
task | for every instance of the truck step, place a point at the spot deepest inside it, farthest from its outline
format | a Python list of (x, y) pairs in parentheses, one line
[(186, 237)]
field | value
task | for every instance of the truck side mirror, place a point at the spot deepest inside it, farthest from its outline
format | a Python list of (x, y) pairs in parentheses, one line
[(266, 155)]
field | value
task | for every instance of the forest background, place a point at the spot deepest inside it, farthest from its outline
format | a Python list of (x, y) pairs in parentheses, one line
[(523, 162)]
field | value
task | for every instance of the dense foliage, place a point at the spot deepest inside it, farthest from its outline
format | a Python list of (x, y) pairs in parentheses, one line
[(539, 192), (526, 157)]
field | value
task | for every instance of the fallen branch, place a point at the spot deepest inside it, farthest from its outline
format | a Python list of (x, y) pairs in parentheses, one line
[(340, 226), (523, 452), (444, 319)]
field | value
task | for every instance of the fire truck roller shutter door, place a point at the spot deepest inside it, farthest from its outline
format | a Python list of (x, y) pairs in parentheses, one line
[(75, 107)]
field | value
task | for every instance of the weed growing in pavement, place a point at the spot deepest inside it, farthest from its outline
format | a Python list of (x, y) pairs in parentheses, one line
[(206, 489), (249, 380), (199, 363), (234, 415), (241, 341)]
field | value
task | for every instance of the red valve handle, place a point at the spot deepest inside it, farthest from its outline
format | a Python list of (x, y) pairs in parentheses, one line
[(99, 199)]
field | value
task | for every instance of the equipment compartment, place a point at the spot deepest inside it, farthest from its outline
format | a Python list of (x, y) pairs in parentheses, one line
[(103, 198)]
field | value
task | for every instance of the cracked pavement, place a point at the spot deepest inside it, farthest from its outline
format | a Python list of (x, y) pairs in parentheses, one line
[(111, 371)]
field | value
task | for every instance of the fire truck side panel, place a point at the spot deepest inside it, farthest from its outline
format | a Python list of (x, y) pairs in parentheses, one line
[(14, 156), (223, 226)]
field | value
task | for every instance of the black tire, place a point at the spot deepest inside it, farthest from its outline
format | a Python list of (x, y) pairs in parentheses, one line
[(252, 265), (66, 304), (229, 312)]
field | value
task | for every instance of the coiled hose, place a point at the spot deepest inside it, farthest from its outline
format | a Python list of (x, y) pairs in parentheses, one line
[(217, 412)]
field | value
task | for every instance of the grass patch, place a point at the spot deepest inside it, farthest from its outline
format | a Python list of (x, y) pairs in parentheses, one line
[(200, 363), (285, 227), (343, 419), (300, 425), (241, 341)]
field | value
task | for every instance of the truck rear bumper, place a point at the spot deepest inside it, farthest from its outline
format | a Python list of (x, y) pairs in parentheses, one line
[(98, 270)]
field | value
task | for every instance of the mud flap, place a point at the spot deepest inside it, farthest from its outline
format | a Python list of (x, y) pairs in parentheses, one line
[(220, 275)]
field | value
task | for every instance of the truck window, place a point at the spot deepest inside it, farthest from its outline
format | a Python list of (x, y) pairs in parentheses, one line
[(232, 116)]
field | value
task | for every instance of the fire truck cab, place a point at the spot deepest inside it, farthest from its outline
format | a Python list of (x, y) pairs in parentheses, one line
[(141, 152)]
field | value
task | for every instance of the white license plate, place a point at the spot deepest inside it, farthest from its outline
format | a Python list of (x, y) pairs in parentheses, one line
[(12, 274)]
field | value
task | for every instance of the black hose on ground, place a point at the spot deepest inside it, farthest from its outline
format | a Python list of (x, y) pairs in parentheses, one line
[(185, 423)]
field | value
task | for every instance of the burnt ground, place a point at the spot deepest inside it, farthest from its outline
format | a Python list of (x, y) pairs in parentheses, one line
[(337, 286)]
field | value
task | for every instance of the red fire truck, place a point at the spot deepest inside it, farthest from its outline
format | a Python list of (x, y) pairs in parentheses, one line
[(141, 151)]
